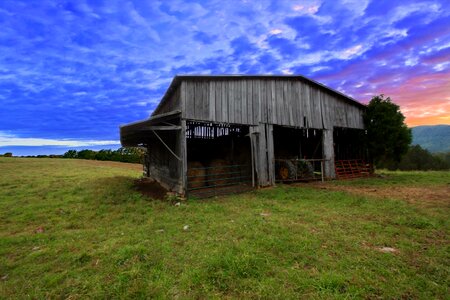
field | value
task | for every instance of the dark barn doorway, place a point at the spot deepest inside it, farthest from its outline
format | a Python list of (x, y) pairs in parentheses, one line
[(298, 153), (351, 153), (349, 143), (218, 159)]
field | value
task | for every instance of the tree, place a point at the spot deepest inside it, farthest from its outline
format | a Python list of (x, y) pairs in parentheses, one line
[(86, 154), (388, 136), (70, 154)]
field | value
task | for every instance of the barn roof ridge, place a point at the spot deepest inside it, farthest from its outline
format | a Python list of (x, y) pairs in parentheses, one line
[(176, 81)]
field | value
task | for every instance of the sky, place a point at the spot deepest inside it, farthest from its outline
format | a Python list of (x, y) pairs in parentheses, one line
[(71, 72)]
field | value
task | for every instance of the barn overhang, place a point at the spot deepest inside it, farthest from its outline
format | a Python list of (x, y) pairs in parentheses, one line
[(147, 131)]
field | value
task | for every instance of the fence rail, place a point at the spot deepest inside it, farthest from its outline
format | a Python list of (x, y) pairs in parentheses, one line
[(218, 180), (352, 168)]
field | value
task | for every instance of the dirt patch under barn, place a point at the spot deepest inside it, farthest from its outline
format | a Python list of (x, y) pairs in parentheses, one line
[(432, 196), (150, 188)]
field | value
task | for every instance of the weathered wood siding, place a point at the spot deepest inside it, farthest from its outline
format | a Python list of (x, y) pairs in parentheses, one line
[(170, 104), (164, 167), (286, 102)]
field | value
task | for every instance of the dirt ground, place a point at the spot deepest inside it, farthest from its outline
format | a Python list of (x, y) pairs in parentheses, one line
[(150, 188), (433, 196)]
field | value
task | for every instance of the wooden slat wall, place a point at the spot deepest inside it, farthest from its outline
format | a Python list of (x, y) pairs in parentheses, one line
[(273, 101), (164, 167), (171, 104)]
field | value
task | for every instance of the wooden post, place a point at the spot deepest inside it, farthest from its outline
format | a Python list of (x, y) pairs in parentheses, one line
[(328, 153), (255, 153), (321, 170), (262, 156), (270, 154), (183, 162)]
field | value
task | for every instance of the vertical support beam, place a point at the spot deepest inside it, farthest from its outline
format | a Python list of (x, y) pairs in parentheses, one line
[(147, 162), (328, 153), (262, 156), (252, 153), (254, 137), (321, 171), (183, 156), (270, 155)]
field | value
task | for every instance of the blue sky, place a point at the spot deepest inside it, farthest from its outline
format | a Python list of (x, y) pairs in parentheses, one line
[(72, 71)]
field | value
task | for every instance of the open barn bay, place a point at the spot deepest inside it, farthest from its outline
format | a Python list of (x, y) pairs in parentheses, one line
[(77, 229)]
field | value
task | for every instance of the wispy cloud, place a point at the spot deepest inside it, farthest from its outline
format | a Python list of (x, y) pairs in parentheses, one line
[(77, 69), (11, 140)]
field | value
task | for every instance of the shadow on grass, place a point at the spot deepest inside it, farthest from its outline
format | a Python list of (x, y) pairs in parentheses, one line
[(122, 189), (114, 190)]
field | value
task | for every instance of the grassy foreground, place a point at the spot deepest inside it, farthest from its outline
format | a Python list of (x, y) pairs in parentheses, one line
[(73, 228)]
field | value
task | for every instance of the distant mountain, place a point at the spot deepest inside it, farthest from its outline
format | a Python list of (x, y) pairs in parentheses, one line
[(434, 138)]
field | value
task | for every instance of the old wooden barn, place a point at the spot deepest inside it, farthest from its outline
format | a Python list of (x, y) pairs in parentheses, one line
[(222, 133)]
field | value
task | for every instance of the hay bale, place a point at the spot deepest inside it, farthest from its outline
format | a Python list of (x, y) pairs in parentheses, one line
[(196, 174), (217, 172)]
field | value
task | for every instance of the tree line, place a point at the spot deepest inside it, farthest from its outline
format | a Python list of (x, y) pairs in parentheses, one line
[(123, 154), (417, 158)]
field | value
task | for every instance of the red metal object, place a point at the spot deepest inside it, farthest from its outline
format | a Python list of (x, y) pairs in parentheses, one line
[(352, 168)]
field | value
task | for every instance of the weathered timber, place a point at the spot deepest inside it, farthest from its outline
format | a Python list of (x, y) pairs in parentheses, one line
[(218, 109)]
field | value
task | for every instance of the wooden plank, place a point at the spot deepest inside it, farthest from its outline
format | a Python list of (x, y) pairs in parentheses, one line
[(291, 101), (307, 115), (203, 93), (224, 102), (278, 103), (199, 106), (297, 103), (183, 155), (262, 104), (212, 101), (237, 102), (285, 110), (234, 96), (256, 111), (270, 155), (322, 117), (254, 153), (237, 113), (314, 105), (250, 102), (198, 100), (328, 153), (262, 156), (183, 99), (160, 128), (218, 100), (273, 103), (244, 98), (193, 93), (198, 97), (190, 104), (229, 92), (317, 108)]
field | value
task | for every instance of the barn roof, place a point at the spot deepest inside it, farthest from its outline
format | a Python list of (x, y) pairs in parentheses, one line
[(176, 81)]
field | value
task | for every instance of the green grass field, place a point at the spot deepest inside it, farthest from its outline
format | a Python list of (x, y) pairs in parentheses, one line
[(76, 229)]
